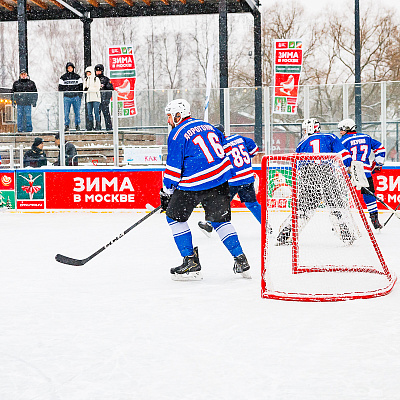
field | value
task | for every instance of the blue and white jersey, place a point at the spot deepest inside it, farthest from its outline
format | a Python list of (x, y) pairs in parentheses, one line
[(360, 146), (324, 143), (196, 157), (242, 149)]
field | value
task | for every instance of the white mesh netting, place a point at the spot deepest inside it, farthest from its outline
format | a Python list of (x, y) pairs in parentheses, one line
[(322, 247)]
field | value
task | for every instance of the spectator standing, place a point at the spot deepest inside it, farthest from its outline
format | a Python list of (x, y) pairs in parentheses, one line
[(70, 152), (106, 89), (92, 87), (25, 95), (71, 84), (35, 157)]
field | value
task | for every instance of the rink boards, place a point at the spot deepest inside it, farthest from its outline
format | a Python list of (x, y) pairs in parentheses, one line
[(95, 188)]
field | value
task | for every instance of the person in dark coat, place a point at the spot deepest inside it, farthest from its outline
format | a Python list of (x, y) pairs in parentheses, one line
[(25, 95), (35, 157), (106, 89), (72, 85), (70, 152)]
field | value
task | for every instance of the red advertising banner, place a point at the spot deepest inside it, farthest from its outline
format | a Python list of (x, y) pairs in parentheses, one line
[(102, 189), (387, 187), (7, 181), (121, 62), (287, 68), (127, 189)]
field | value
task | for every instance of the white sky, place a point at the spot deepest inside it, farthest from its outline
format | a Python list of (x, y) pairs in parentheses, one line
[(321, 5)]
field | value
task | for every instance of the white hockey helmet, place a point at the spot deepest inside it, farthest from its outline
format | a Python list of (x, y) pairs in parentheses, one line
[(311, 126), (180, 106), (347, 125)]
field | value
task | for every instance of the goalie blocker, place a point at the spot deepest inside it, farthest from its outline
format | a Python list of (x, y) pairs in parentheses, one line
[(319, 265)]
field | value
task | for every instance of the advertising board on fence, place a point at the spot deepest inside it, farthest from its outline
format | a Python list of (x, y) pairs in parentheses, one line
[(142, 155), (134, 187), (102, 189), (121, 62), (287, 68)]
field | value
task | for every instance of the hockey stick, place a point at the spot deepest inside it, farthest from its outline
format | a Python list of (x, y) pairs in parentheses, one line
[(391, 215), (395, 212), (73, 261)]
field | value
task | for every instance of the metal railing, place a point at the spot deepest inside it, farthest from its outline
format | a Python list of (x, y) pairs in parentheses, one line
[(281, 132)]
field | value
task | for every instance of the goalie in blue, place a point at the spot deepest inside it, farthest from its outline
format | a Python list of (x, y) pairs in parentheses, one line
[(311, 174), (361, 146), (197, 171)]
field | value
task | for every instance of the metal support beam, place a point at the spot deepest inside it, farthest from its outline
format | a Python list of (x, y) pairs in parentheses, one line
[(87, 42), (357, 64), (22, 34), (87, 51), (257, 78), (223, 56)]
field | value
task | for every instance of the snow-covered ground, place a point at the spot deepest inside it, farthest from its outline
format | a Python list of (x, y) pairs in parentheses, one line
[(119, 328)]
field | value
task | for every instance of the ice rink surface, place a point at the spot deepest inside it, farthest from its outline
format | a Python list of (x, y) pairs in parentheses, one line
[(119, 328)]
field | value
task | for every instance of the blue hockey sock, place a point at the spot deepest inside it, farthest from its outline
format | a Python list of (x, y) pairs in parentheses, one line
[(182, 236), (255, 209), (229, 237), (370, 202)]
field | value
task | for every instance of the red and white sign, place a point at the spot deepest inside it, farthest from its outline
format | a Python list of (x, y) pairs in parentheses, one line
[(287, 68), (102, 189), (121, 62), (7, 181)]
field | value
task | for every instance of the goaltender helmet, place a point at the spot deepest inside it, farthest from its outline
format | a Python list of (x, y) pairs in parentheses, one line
[(311, 126), (347, 125), (180, 106)]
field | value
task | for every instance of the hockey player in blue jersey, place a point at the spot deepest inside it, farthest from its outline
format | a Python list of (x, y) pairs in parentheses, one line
[(197, 171), (360, 147), (314, 141), (243, 149)]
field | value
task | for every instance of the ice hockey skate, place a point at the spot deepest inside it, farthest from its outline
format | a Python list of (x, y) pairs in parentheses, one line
[(206, 228), (375, 221), (190, 270), (242, 266)]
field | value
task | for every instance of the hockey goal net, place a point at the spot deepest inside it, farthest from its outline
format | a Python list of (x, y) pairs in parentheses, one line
[(322, 248)]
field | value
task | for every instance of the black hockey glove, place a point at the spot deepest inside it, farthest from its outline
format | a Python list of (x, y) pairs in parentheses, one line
[(164, 199)]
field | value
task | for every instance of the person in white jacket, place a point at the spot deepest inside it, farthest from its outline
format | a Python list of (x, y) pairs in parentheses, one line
[(92, 86)]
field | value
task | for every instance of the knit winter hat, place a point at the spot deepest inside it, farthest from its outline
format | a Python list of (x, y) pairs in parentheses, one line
[(37, 141)]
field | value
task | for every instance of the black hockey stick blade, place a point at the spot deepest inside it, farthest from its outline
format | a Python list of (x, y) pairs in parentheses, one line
[(70, 261), (77, 263)]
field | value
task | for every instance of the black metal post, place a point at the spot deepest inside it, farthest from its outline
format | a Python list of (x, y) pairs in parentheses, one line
[(357, 66), (223, 56), (22, 34), (87, 54), (87, 43), (257, 79)]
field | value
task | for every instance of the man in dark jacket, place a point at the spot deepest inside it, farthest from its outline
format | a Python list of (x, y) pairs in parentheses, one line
[(35, 157), (106, 94), (72, 85), (70, 152), (25, 95)]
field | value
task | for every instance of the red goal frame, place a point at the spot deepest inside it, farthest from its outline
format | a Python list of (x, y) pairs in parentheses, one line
[(296, 268)]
